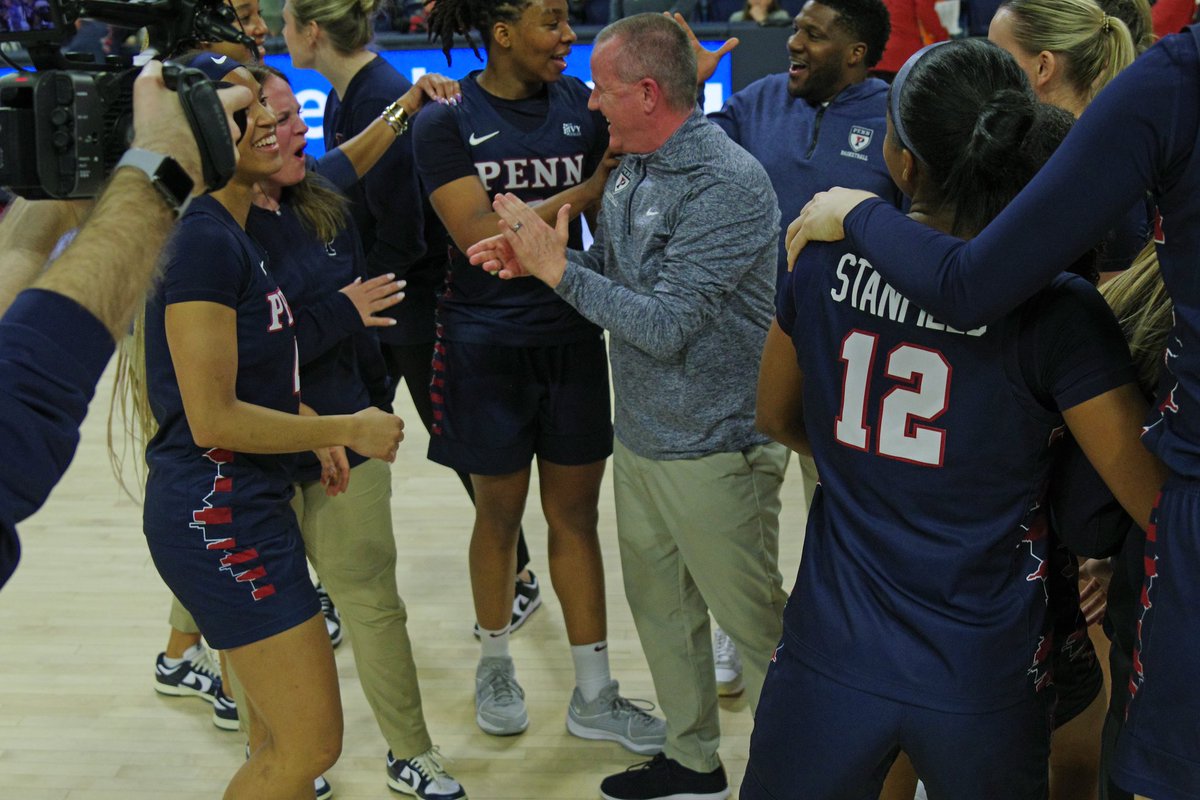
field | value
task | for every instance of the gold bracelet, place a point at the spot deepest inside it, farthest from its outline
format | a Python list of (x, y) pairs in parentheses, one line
[(396, 116)]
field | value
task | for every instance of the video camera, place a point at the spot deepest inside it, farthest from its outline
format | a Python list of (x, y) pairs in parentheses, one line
[(64, 127)]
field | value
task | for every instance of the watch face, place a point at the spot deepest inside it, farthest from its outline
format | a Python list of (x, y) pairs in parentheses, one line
[(174, 179)]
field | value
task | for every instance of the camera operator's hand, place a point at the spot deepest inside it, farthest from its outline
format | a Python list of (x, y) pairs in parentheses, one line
[(160, 125)]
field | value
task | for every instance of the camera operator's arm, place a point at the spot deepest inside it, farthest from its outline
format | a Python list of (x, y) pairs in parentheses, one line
[(28, 234), (110, 263)]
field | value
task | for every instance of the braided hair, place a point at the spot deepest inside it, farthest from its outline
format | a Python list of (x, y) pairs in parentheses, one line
[(450, 17)]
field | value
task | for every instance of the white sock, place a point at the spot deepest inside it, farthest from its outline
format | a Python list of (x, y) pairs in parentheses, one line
[(591, 669), (172, 663), (494, 644), (194, 652)]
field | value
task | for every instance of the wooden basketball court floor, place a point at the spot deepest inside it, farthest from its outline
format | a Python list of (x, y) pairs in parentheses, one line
[(85, 615)]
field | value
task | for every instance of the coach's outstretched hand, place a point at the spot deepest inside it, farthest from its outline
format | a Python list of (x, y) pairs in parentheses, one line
[(160, 125), (526, 245)]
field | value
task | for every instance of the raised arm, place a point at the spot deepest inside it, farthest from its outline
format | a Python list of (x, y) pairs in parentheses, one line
[(1083, 191)]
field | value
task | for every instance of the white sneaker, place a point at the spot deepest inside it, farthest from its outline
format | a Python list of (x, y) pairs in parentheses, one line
[(728, 664)]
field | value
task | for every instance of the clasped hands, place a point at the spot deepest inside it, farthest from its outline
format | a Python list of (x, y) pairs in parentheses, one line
[(526, 245)]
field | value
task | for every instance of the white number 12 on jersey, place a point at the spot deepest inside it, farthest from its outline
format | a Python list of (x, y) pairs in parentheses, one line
[(922, 395)]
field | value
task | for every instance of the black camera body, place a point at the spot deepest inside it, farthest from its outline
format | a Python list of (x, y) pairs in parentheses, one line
[(62, 131), (64, 127)]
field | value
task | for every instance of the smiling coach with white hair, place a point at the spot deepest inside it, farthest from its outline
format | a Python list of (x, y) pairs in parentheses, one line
[(682, 275)]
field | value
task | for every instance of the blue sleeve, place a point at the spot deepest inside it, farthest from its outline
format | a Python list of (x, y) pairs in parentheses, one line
[(727, 118), (372, 368), (1089, 520), (386, 185), (1137, 130), (442, 156), (52, 353), (335, 167), (322, 326), (204, 263), (785, 296), (1071, 345)]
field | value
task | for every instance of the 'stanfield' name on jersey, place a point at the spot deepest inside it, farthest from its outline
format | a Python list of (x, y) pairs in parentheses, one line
[(866, 291), (533, 173)]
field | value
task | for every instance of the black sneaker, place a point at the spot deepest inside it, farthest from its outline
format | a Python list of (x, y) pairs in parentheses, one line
[(197, 675), (333, 620), (423, 777), (225, 713), (321, 788), (526, 600), (663, 778)]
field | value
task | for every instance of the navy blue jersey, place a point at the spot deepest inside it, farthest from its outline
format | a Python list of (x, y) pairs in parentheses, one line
[(341, 365), (477, 137), (52, 352), (924, 570), (218, 493), (400, 233), (1066, 209), (807, 149)]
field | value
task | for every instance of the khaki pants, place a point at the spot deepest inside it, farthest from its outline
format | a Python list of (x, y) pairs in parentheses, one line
[(350, 542), (698, 535)]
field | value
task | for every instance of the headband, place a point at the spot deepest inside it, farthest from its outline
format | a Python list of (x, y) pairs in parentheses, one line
[(894, 98), (214, 66)]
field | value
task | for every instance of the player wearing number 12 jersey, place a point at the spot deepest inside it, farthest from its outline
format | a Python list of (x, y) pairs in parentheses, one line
[(918, 618)]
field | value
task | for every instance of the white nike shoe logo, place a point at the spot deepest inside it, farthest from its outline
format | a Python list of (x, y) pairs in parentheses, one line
[(474, 140), (654, 212), (220, 60)]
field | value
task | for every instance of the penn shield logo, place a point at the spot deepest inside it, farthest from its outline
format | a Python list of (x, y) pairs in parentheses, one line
[(622, 182), (860, 138)]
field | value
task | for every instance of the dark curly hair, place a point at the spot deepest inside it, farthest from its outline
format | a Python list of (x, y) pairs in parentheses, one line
[(450, 17)]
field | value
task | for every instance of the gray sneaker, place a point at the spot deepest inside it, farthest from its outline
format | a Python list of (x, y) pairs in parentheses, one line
[(499, 699), (615, 719)]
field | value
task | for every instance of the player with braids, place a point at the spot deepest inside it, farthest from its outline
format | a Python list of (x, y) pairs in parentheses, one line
[(918, 622), (518, 373), (400, 233)]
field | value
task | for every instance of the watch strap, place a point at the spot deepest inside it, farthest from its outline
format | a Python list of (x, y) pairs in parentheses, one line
[(165, 174)]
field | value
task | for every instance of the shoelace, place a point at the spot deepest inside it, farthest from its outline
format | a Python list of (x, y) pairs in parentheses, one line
[(429, 764), (205, 664), (726, 651), (637, 708), (658, 762), (504, 687), (326, 600)]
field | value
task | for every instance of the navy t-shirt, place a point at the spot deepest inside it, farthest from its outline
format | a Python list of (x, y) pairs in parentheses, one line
[(534, 148), (341, 366), (924, 566), (213, 491), (400, 233)]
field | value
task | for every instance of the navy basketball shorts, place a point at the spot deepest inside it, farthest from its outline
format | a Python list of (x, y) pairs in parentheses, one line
[(1158, 752), (817, 739), (496, 407), (239, 588)]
